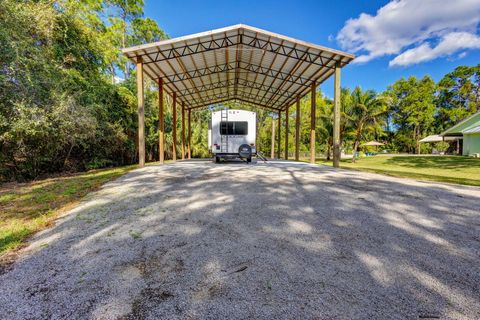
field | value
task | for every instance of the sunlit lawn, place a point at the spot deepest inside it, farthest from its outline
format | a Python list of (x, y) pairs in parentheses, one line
[(29, 207), (452, 169)]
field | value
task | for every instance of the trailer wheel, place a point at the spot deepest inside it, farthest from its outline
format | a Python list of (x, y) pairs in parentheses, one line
[(249, 159), (245, 151), (217, 159)]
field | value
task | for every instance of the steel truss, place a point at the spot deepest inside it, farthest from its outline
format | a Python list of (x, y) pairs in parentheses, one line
[(234, 40), (277, 82)]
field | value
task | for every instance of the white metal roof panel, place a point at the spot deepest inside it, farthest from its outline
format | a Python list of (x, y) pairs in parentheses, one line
[(475, 129), (238, 62)]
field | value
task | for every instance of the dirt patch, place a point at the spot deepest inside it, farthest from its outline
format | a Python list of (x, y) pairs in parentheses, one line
[(148, 297)]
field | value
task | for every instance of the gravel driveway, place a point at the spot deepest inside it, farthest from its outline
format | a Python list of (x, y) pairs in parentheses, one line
[(283, 240)]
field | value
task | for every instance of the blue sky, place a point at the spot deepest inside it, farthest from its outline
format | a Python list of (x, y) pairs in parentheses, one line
[(392, 39)]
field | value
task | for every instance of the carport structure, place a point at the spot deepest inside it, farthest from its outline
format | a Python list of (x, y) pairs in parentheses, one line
[(241, 63)]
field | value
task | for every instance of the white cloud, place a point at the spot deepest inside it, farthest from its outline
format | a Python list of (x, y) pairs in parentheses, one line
[(403, 24), (449, 44)]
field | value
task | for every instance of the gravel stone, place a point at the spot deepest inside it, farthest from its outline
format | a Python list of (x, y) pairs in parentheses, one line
[(281, 240)]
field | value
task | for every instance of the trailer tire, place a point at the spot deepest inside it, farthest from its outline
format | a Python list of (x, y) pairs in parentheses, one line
[(245, 151), (249, 159), (217, 159)]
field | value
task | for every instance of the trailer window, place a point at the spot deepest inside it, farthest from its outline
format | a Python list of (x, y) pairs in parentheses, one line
[(234, 128), (240, 128)]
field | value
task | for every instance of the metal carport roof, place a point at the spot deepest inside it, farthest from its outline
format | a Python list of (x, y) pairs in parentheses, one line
[(240, 63)]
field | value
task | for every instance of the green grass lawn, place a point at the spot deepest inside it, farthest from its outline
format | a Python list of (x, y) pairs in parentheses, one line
[(452, 169), (26, 208)]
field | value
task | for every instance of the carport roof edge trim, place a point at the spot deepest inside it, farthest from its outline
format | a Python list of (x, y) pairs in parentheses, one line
[(274, 69)]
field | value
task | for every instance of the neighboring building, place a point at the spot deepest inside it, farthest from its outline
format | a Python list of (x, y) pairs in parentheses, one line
[(469, 129), (454, 142)]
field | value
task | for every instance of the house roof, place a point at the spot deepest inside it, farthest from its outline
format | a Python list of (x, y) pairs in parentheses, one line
[(474, 129), (438, 138), (240, 63), (464, 125)]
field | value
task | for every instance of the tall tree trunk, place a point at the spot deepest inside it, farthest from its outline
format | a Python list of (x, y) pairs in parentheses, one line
[(124, 35), (414, 136), (328, 150), (358, 134), (68, 155), (417, 138), (112, 69), (355, 148)]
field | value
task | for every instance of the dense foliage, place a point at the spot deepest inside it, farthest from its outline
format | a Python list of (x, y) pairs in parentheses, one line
[(68, 95), (60, 108)]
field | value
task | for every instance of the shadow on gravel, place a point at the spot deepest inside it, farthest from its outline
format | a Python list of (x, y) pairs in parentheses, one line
[(276, 241)]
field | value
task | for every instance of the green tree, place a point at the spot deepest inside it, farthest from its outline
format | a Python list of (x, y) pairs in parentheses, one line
[(458, 95), (412, 108), (146, 31), (368, 110), (58, 108), (325, 121), (123, 12)]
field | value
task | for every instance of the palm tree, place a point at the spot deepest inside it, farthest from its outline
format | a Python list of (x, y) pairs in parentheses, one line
[(367, 110), (325, 130)]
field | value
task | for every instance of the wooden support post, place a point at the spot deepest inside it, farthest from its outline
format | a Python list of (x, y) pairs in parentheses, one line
[(141, 113), (183, 131), (189, 133), (272, 151), (279, 133), (297, 130), (313, 110), (336, 118), (286, 133), (174, 127), (161, 123)]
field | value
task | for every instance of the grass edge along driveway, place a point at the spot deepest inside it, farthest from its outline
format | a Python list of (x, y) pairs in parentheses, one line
[(26, 208), (450, 169)]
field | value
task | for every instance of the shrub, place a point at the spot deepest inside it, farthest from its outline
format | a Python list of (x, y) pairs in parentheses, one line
[(442, 146)]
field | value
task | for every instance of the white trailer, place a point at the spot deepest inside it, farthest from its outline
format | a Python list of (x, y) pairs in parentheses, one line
[(233, 134)]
